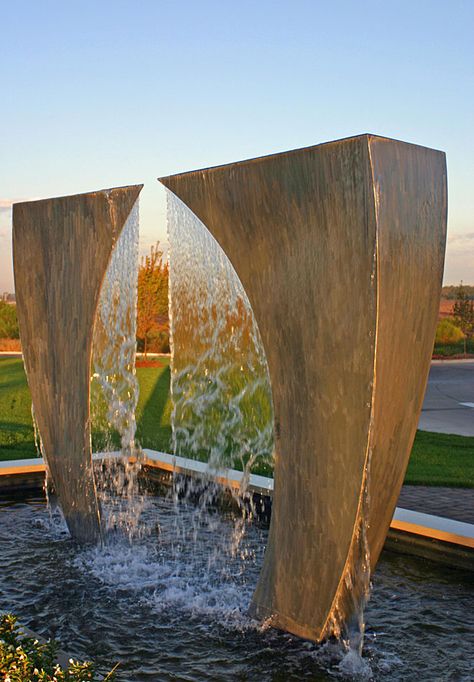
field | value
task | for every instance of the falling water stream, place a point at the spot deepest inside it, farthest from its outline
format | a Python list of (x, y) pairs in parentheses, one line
[(114, 336), (220, 387), (114, 385)]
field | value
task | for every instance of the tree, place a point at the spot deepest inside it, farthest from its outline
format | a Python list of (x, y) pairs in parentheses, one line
[(447, 332), (152, 299), (463, 311)]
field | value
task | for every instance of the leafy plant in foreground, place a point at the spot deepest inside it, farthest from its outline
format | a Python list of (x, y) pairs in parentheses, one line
[(25, 659)]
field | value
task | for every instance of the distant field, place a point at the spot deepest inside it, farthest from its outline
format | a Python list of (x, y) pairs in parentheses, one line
[(436, 459)]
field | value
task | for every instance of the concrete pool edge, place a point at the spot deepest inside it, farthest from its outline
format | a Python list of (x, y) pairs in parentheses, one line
[(441, 539)]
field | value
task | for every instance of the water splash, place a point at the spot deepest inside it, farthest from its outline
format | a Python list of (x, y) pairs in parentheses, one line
[(185, 567), (194, 577)]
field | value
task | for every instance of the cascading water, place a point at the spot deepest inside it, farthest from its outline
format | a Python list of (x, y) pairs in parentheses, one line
[(222, 413), (50, 499), (114, 386), (357, 581), (221, 401), (220, 387), (115, 333)]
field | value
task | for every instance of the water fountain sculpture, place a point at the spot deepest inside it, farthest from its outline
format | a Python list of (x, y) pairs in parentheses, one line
[(340, 249), (61, 250)]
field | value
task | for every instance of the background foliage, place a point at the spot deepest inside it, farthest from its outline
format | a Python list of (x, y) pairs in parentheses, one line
[(152, 303), (8, 321)]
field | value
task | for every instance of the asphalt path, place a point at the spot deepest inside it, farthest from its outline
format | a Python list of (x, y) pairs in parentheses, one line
[(448, 406)]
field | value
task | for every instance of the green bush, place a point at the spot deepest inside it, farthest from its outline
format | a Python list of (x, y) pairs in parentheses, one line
[(447, 332), (25, 659)]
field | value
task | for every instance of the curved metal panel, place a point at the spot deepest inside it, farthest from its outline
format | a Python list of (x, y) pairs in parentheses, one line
[(410, 186), (61, 249), (299, 229), (335, 245)]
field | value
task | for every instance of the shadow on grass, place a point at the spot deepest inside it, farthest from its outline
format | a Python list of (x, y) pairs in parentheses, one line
[(23, 450), (15, 427), (153, 431), (12, 375), (16, 441)]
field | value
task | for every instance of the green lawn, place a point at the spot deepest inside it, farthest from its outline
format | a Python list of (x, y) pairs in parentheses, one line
[(441, 459), (154, 407), (16, 427), (437, 459)]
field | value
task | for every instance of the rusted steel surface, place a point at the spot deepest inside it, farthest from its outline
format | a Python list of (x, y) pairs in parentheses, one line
[(61, 249), (340, 249)]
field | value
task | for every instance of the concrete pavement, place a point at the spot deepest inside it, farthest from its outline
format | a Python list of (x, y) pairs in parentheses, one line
[(449, 399)]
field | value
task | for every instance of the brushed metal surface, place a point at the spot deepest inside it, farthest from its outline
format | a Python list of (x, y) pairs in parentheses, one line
[(340, 249), (410, 184), (61, 249)]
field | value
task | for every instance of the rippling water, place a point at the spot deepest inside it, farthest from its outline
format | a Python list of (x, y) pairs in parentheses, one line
[(172, 605)]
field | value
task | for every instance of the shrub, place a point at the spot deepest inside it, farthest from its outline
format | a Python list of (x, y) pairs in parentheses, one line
[(447, 332), (8, 321), (25, 659)]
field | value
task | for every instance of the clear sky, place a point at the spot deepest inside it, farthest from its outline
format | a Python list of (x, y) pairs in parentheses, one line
[(114, 92)]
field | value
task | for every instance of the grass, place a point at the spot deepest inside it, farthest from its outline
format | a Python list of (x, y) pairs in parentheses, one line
[(441, 459), (16, 426), (436, 459), (154, 407)]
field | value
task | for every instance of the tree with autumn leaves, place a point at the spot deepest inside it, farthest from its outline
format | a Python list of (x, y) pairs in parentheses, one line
[(152, 303)]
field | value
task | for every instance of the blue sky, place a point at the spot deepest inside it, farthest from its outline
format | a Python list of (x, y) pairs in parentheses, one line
[(101, 94)]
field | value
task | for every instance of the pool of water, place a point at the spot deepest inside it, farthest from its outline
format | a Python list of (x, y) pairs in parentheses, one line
[(171, 604)]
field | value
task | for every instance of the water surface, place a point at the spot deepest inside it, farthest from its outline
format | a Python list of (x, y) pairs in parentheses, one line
[(172, 604)]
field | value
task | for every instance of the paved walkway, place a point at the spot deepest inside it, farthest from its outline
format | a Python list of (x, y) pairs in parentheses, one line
[(452, 503), (448, 408), (449, 400)]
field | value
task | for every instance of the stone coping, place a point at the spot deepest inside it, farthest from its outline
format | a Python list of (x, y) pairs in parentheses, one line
[(413, 523)]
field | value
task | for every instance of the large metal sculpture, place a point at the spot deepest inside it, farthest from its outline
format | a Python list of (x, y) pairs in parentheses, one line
[(340, 248), (61, 249)]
